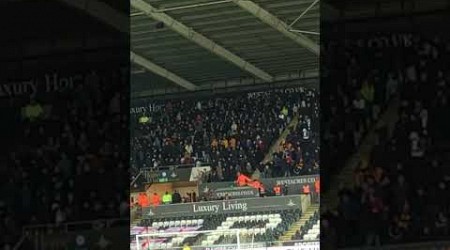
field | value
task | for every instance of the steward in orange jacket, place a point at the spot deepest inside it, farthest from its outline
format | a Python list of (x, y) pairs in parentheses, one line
[(143, 200), (156, 200), (306, 189), (317, 185), (277, 190), (242, 179)]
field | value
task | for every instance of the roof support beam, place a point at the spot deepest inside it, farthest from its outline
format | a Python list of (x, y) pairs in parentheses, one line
[(103, 12), (147, 64), (303, 13), (200, 39), (277, 24)]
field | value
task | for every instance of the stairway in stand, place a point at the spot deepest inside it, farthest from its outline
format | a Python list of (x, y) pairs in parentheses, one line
[(274, 147), (136, 222), (136, 218), (287, 236), (329, 200)]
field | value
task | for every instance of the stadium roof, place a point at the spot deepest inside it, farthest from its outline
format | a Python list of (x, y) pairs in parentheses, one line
[(201, 44)]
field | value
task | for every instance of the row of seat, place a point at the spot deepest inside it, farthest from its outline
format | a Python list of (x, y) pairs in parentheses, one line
[(177, 223), (272, 220), (258, 217), (314, 232), (253, 227)]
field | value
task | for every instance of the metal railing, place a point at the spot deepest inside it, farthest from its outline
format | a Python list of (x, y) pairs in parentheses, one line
[(242, 240), (149, 174)]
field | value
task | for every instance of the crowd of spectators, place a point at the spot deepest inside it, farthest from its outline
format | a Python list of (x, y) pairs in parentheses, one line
[(65, 158), (402, 195), (231, 133), (362, 75)]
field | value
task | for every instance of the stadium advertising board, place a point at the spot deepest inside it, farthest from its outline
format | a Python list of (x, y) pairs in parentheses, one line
[(146, 108), (51, 82), (283, 90), (389, 40), (294, 184), (235, 193), (314, 245), (225, 206)]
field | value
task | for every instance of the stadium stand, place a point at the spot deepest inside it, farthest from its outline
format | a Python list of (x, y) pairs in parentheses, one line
[(365, 87), (224, 132), (230, 135), (41, 174), (398, 196)]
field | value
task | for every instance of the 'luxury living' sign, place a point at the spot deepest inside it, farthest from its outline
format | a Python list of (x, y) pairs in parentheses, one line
[(216, 208), (225, 206)]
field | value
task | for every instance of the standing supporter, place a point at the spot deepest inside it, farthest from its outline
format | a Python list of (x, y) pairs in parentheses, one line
[(176, 197), (193, 196), (285, 189), (262, 190)]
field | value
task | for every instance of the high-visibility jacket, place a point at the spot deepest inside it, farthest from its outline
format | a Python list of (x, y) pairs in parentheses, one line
[(144, 200), (277, 190), (156, 200), (255, 184), (144, 119), (317, 186), (367, 91), (186, 248), (167, 199), (306, 189), (33, 111), (285, 111), (242, 180)]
